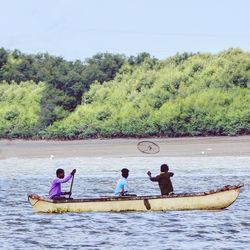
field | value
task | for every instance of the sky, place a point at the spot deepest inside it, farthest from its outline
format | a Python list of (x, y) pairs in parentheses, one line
[(78, 29)]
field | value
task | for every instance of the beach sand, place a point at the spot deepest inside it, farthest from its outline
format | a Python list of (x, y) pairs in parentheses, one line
[(196, 146)]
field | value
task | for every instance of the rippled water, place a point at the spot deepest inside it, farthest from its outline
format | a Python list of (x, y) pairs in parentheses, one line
[(21, 228)]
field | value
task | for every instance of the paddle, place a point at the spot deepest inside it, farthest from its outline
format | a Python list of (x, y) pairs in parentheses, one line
[(71, 185)]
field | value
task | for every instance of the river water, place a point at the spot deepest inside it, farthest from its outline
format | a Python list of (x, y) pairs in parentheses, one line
[(21, 228)]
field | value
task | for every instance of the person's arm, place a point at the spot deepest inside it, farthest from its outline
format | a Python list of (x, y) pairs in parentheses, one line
[(67, 178), (171, 174), (118, 188), (65, 193), (156, 178), (125, 188)]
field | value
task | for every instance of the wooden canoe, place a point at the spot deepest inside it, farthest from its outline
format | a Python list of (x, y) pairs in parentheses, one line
[(212, 200)]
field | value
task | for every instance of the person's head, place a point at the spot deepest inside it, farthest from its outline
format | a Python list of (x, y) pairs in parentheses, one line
[(164, 168), (125, 172), (60, 173)]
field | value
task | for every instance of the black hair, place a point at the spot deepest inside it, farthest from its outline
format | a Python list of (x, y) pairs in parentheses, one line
[(164, 168), (59, 171), (125, 172)]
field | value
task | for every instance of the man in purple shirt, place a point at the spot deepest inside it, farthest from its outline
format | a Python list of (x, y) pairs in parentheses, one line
[(55, 189)]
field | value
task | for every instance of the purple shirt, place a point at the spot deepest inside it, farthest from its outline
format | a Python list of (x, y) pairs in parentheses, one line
[(55, 189)]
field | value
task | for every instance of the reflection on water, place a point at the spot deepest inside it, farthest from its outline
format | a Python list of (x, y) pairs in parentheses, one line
[(21, 228)]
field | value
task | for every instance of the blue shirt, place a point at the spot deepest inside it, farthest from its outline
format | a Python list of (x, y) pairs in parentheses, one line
[(122, 184)]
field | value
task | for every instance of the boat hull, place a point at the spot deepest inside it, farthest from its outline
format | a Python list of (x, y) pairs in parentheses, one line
[(212, 200)]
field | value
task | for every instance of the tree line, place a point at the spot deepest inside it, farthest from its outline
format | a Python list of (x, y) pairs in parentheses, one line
[(111, 95)]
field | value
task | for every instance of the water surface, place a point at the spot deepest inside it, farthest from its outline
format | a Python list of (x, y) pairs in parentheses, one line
[(21, 228)]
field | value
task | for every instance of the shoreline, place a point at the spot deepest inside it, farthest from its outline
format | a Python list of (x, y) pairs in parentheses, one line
[(177, 147)]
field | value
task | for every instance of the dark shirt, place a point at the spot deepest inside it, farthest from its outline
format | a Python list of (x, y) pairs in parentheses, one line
[(164, 181)]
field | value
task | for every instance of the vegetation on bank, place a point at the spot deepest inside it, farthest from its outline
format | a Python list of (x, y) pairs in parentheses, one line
[(114, 96), (20, 109)]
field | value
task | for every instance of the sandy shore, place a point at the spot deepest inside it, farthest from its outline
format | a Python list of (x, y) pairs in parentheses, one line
[(199, 146)]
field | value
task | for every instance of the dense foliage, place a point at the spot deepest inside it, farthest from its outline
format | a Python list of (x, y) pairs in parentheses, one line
[(113, 96), (66, 81), (19, 109)]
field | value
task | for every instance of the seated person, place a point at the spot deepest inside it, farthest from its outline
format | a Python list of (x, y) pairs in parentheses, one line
[(163, 179), (122, 185), (55, 189)]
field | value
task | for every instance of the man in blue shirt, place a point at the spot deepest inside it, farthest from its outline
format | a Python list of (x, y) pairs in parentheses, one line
[(122, 185)]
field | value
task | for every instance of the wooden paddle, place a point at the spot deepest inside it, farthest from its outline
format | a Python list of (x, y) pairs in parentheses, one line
[(71, 185)]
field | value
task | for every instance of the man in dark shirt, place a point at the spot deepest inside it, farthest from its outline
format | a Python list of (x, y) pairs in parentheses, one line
[(163, 179)]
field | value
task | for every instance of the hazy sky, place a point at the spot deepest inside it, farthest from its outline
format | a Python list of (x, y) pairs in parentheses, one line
[(76, 29)]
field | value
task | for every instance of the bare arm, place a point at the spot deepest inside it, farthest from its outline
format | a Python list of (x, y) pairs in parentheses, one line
[(156, 178)]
